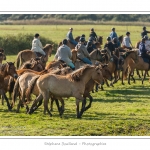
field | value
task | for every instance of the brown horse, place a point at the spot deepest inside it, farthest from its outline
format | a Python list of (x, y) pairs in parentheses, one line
[(129, 55), (120, 38), (138, 65), (5, 70), (26, 55), (73, 83)]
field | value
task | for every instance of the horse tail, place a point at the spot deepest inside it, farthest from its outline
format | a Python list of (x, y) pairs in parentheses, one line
[(31, 87), (15, 92), (18, 60)]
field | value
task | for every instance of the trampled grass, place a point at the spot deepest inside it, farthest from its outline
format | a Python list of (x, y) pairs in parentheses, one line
[(122, 110)]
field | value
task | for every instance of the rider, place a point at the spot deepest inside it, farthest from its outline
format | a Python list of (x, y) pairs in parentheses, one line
[(91, 39), (147, 43), (144, 32), (89, 47), (143, 51), (82, 52), (93, 34), (37, 45), (64, 53), (127, 42), (83, 35), (111, 47), (113, 35), (115, 42), (70, 37)]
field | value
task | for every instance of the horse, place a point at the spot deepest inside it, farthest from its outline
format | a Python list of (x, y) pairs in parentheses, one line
[(27, 54), (129, 55), (34, 64), (25, 79), (74, 85), (120, 38), (9, 82), (5, 70), (138, 65)]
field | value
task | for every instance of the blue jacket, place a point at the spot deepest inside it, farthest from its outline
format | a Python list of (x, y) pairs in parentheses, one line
[(142, 49), (113, 35), (70, 36)]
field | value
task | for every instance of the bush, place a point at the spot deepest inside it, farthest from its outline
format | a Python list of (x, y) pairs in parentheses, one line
[(12, 44)]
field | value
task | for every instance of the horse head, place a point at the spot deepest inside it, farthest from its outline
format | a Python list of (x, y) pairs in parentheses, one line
[(9, 69)]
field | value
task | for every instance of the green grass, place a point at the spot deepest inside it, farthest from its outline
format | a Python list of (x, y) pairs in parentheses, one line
[(116, 111)]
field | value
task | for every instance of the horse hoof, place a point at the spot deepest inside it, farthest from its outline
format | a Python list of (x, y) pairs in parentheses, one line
[(50, 115)]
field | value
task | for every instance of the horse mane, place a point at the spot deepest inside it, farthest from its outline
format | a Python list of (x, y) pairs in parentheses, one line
[(47, 46), (77, 74), (21, 71)]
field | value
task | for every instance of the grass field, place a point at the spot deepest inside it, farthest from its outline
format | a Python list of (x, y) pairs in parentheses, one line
[(116, 111)]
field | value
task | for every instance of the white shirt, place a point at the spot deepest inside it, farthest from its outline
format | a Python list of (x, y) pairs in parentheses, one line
[(147, 45), (126, 41)]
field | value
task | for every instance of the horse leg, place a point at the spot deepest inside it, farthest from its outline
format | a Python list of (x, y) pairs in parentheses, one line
[(39, 104), (5, 97), (147, 74), (144, 76), (91, 100), (122, 77), (137, 71), (106, 82), (62, 108), (46, 100), (129, 78), (2, 99), (96, 87), (51, 103), (34, 105)]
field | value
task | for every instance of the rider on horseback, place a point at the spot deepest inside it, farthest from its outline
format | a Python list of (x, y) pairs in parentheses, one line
[(144, 32), (82, 52), (37, 45), (111, 47), (70, 37), (143, 51), (127, 42), (64, 54), (93, 34), (113, 35)]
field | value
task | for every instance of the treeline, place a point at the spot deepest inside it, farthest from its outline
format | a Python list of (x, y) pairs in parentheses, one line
[(12, 44), (78, 17)]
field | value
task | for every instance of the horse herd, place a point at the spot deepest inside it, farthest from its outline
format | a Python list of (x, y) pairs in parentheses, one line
[(55, 80)]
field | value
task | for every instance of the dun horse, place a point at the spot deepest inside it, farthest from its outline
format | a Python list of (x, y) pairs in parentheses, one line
[(74, 85), (26, 55)]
